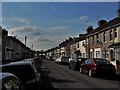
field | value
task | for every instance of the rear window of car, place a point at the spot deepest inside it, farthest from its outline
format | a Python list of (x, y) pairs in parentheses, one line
[(102, 61)]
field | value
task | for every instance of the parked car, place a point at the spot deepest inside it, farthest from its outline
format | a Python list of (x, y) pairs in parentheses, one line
[(36, 62), (75, 63), (9, 81), (96, 66), (58, 60), (25, 71), (62, 60)]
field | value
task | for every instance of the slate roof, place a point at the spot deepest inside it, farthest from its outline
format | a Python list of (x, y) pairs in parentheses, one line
[(112, 23)]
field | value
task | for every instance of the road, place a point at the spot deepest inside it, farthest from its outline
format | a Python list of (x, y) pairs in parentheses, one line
[(61, 77)]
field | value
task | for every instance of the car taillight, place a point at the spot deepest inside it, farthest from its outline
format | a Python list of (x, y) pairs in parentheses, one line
[(94, 66)]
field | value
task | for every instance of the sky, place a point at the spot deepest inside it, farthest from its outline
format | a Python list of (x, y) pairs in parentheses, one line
[(47, 24), (60, 0)]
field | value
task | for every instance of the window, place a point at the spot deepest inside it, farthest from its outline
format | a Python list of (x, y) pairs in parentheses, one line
[(77, 45), (112, 54), (97, 39), (102, 61), (91, 61), (83, 43), (83, 55), (105, 54), (104, 36), (115, 30), (98, 54), (110, 35)]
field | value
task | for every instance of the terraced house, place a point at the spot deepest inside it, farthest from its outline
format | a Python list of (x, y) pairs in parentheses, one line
[(99, 39), (13, 48)]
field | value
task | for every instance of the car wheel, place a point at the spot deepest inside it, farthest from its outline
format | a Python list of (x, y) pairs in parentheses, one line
[(90, 73), (81, 70)]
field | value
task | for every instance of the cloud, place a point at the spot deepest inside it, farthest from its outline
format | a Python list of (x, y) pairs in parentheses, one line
[(41, 39), (24, 20), (21, 29), (78, 20), (84, 19), (29, 30), (16, 20), (44, 42), (58, 28)]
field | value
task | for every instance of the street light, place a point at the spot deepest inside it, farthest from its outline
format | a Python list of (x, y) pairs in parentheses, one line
[(25, 39)]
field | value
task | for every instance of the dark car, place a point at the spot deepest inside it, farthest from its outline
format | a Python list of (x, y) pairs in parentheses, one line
[(97, 66), (25, 71), (64, 60), (9, 81), (75, 63), (36, 62)]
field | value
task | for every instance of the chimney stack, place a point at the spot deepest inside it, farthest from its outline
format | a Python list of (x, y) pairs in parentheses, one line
[(101, 22), (80, 35), (5, 32), (118, 13), (89, 29)]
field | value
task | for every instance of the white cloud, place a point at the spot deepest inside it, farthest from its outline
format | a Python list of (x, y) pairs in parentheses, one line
[(84, 19), (58, 28), (37, 36), (24, 20), (21, 29), (81, 19), (16, 20), (34, 30), (41, 39), (34, 36)]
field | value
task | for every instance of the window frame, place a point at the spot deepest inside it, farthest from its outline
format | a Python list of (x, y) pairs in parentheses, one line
[(104, 36)]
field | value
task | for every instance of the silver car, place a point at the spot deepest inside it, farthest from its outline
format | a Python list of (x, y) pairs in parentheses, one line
[(9, 81), (26, 72)]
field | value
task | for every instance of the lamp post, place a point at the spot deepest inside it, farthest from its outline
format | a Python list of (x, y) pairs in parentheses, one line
[(0, 44), (25, 39)]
